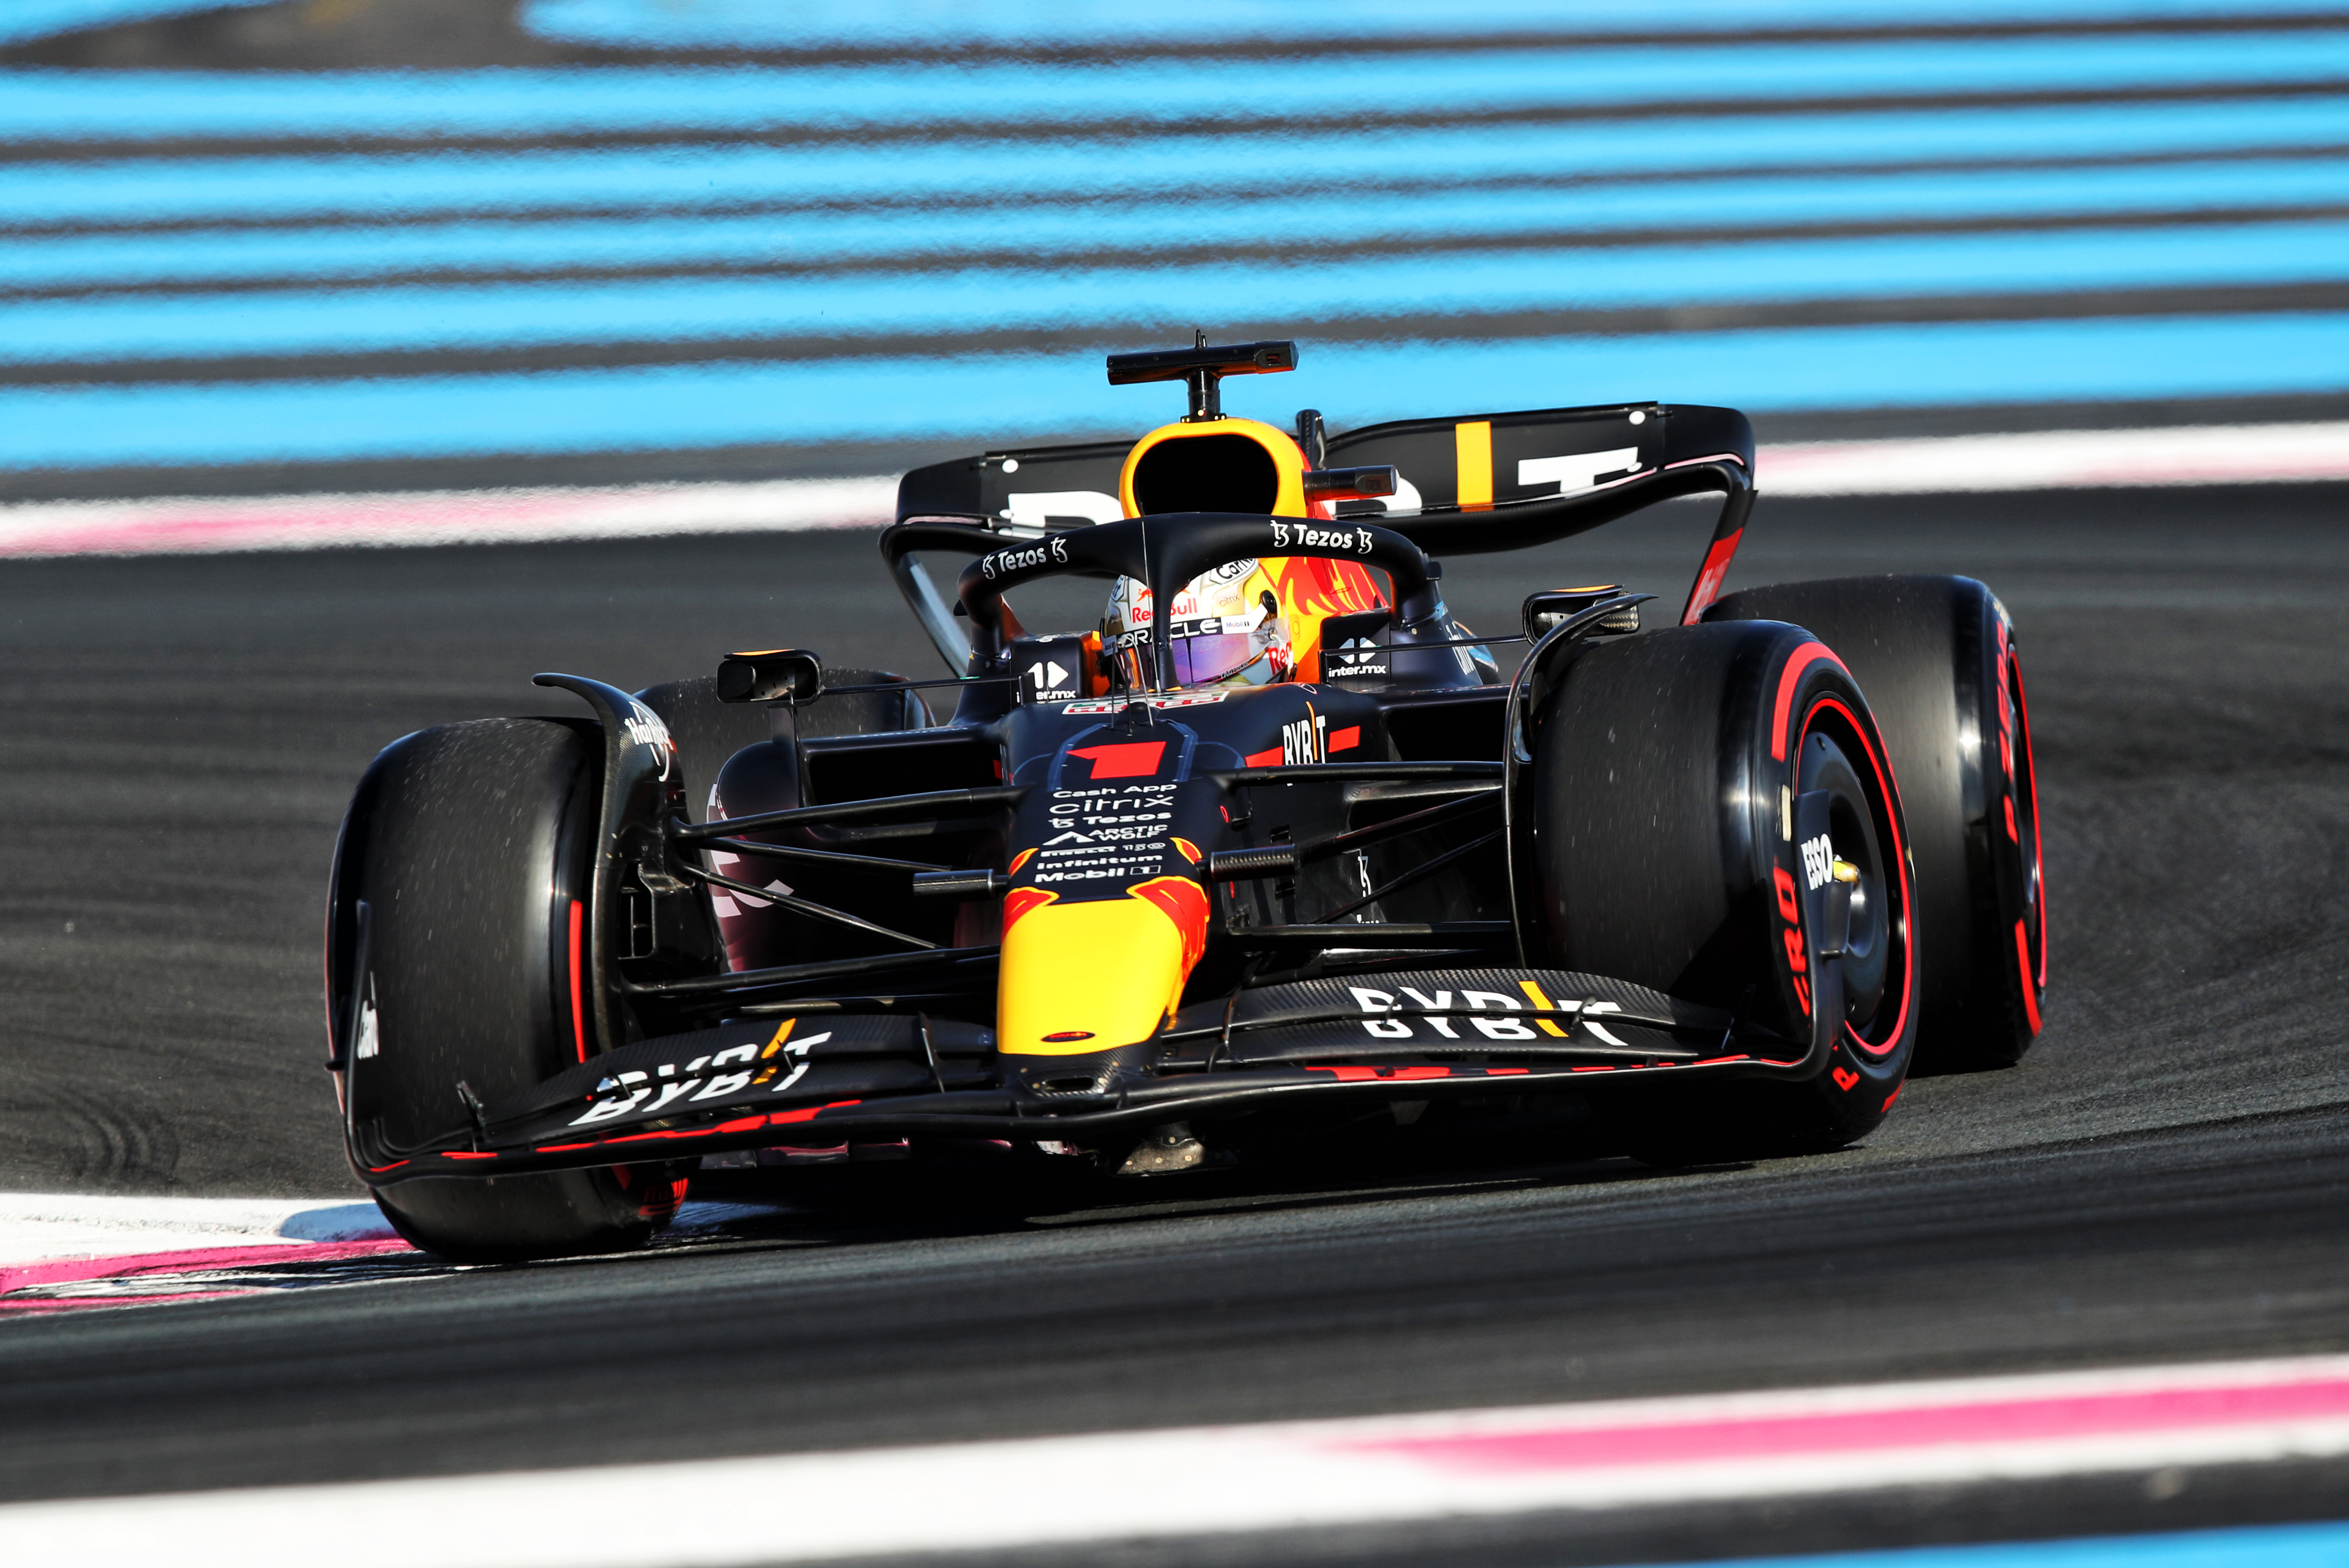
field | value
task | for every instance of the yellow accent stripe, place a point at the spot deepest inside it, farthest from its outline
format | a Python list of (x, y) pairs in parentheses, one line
[(1472, 446), (782, 1035), (1544, 1024)]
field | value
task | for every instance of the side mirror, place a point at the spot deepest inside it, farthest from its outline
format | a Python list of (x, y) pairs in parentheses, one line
[(1546, 609), (1350, 484), (790, 675)]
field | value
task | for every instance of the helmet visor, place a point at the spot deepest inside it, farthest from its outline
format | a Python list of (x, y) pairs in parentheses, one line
[(1209, 656)]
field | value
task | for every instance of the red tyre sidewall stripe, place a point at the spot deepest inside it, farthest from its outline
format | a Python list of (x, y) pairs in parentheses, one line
[(1891, 797), (578, 1002), (2031, 766), (2030, 991), (1790, 676), (1802, 659)]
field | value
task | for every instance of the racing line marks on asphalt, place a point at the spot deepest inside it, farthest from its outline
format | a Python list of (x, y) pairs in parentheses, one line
[(2044, 460), (1594, 1455)]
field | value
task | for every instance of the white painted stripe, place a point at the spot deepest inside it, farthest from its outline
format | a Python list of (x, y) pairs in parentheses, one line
[(1191, 1481), (56, 1227), (2046, 460), (42, 1227), (2060, 459)]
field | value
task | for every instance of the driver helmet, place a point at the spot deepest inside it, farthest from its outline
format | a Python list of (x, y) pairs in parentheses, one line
[(1225, 628)]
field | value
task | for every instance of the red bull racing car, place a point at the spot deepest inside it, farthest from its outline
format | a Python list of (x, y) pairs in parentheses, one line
[(1276, 846)]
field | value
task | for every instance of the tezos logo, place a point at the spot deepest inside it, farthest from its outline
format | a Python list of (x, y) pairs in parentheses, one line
[(645, 728), (1355, 539), (1053, 552)]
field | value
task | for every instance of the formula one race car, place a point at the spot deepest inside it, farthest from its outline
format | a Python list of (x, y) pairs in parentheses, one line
[(1276, 849)]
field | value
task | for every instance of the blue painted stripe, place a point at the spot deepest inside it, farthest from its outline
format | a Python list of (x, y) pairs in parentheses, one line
[(230, 188), (814, 237), (2260, 1546), (840, 99), (1011, 397), (760, 23), (936, 204), (685, 311)]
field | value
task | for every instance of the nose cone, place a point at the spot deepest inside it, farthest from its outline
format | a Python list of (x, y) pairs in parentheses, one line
[(1090, 976)]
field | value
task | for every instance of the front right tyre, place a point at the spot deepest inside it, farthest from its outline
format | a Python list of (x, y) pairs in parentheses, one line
[(1658, 844)]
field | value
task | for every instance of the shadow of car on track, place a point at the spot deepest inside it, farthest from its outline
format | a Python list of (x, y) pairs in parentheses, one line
[(852, 1203)]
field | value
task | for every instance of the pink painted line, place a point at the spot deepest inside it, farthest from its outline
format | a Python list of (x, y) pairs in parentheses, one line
[(191, 524), (2035, 459), (1290, 1476), (231, 529), (48, 1306), (70, 1271), (1875, 1431), (2053, 460)]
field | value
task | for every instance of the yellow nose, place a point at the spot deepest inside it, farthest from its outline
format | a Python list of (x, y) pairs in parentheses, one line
[(1093, 976)]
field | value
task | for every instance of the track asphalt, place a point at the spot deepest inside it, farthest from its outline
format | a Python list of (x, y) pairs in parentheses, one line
[(2167, 1176)]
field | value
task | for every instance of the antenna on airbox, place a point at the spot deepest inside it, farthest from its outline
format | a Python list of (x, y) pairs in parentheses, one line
[(1202, 366)]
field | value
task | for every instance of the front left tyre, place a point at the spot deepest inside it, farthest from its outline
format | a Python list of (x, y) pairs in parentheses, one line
[(469, 847)]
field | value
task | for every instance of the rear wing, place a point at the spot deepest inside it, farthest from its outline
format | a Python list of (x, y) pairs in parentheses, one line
[(1468, 484), (1503, 481)]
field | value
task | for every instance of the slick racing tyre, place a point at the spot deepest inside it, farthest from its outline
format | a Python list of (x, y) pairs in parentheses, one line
[(1937, 658), (469, 845), (1657, 840)]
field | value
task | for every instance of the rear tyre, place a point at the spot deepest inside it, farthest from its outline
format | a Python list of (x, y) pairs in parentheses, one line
[(470, 844), (1657, 841), (1937, 658)]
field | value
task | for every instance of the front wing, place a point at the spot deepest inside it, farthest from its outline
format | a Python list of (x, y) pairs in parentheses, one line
[(834, 1076)]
